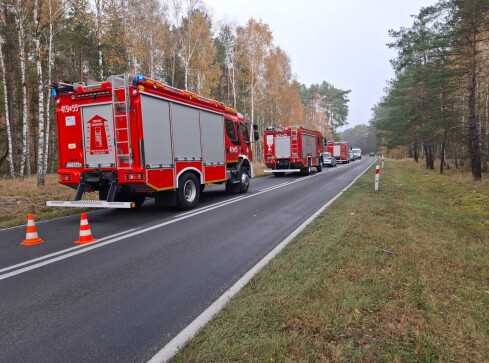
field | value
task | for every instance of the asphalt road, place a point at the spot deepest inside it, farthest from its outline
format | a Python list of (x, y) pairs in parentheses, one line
[(151, 273)]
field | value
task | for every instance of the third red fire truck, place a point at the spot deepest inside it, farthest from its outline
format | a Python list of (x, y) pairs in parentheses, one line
[(293, 148), (131, 137)]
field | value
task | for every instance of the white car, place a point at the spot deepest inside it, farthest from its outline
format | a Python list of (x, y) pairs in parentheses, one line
[(357, 153)]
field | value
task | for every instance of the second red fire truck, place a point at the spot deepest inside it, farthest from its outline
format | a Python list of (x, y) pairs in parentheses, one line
[(340, 150), (293, 148), (131, 137)]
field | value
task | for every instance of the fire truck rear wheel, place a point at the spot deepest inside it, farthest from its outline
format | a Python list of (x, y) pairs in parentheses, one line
[(136, 198), (320, 166), (306, 171), (188, 192)]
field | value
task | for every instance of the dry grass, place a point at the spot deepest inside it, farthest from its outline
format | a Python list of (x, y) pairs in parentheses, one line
[(19, 198), (400, 275)]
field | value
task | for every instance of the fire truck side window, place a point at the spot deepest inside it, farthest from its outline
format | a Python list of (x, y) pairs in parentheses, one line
[(231, 132), (244, 133), (238, 132)]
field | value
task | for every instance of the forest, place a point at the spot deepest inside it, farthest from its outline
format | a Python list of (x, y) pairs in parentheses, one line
[(437, 105), (174, 41)]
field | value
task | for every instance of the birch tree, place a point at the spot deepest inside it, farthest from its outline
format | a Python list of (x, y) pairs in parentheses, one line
[(6, 103), (19, 13), (40, 90)]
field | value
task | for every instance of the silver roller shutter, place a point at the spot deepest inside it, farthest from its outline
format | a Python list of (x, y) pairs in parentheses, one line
[(157, 132), (186, 132), (282, 147), (213, 138)]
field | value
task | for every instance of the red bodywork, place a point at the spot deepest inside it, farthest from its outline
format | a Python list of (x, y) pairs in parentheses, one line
[(101, 130), (340, 150), (292, 147)]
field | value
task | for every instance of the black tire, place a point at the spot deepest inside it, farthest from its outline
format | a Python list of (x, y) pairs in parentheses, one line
[(319, 167), (244, 182), (307, 170), (188, 192), (136, 198)]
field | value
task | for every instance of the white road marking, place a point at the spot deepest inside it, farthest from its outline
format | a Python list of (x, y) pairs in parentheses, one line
[(62, 251), (174, 346)]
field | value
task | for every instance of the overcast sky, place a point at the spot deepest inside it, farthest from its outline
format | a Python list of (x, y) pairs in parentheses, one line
[(338, 41)]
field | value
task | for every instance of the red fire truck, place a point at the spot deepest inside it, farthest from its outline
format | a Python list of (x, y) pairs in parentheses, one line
[(340, 150), (293, 148), (132, 137)]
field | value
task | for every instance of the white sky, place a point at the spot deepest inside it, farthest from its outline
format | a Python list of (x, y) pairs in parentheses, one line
[(338, 41)]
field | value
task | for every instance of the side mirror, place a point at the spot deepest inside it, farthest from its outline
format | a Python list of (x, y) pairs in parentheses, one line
[(256, 135)]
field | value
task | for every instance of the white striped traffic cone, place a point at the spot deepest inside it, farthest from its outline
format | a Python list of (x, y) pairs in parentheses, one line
[(31, 237), (85, 234)]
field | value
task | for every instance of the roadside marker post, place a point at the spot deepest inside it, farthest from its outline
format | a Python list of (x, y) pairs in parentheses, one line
[(377, 173), (382, 161)]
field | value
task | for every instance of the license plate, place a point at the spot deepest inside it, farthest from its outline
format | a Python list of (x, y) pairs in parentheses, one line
[(73, 165)]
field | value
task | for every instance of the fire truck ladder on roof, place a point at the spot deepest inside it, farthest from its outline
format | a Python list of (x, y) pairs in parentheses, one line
[(121, 108)]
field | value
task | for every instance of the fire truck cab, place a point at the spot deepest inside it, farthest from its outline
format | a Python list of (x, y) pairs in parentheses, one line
[(132, 137)]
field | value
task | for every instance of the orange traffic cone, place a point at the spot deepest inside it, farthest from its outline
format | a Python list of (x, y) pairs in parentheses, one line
[(85, 234), (31, 237)]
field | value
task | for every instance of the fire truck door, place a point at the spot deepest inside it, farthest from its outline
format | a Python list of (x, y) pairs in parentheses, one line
[(98, 136)]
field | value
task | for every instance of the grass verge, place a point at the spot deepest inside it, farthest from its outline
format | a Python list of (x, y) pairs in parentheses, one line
[(399, 275)]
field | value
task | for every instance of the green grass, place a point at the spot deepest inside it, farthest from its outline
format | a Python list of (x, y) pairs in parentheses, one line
[(401, 274)]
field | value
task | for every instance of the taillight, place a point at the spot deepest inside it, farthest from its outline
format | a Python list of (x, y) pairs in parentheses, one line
[(136, 176), (65, 177)]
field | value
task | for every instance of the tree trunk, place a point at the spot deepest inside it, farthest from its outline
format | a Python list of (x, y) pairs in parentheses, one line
[(20, 24), (474, 141), (48, 100), (40, 90), (442, 156), (98, 4), (7, 119), (416, 151)]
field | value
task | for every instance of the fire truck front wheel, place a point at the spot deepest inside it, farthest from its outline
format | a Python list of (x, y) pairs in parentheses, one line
[(244, 182), (188, 192), (244, 177)]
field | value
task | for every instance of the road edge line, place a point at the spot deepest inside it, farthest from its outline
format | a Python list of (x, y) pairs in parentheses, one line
[(176, 344)]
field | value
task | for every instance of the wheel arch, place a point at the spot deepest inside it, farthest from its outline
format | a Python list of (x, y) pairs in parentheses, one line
[(192, 170)]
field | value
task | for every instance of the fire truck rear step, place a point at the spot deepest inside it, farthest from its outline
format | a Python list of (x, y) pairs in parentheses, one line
[(89, 204), (282, 171)]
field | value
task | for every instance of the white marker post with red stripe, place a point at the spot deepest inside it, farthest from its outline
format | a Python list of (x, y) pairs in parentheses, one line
[(377, 173), (382, 161)]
